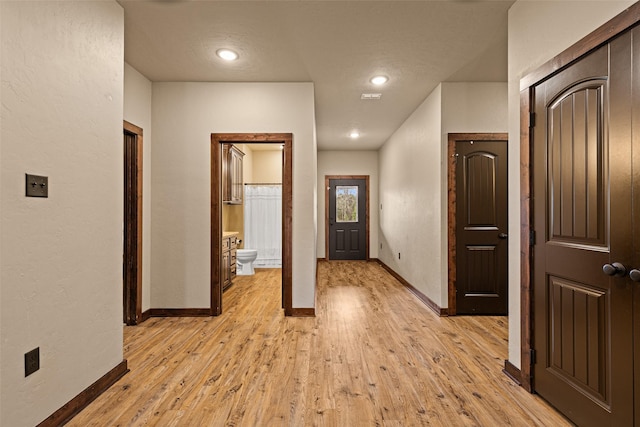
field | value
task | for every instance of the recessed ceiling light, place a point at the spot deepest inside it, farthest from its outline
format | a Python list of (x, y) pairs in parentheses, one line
[(227, 54), (379, 80), (355, 134)]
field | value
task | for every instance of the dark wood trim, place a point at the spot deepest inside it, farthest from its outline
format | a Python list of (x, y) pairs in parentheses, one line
[(442, 312), (451, 204), (88, 395), (303, 312), (326, 210), (216, 211), (526, 313), (146, 315), (512, 372), (179, 312), (133, 192), (603, 34)]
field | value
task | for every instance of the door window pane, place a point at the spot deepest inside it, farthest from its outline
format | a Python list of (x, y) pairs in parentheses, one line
[(347, 203)]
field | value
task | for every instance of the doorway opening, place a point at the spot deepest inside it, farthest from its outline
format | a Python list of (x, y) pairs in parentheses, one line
[(132, 251), (346, 217), (218, 140), (478, 222)]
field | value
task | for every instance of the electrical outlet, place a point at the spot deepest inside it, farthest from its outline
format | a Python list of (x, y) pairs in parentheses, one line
[(31, 361), (36, 186)]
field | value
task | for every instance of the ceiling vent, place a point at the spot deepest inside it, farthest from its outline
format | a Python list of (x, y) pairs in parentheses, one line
[(371, 96)]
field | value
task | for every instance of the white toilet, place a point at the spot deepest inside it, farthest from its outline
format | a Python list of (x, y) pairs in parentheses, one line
[(244, 261)]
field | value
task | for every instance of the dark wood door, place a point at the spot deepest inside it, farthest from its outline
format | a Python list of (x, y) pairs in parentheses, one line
[(132, 239), (583, 330), (347, 219), (481, 227)]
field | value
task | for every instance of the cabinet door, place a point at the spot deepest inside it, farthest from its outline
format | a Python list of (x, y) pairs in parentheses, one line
[(226, 270), (236, 176), (226, 170)]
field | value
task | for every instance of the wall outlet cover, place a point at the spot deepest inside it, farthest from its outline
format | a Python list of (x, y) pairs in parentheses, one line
[(31, 361), (36, 185)]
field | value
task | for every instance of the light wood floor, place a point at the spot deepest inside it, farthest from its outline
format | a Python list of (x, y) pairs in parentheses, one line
[(373, 356)]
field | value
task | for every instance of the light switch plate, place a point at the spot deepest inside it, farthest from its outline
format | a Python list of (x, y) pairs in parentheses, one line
[(37, 186)]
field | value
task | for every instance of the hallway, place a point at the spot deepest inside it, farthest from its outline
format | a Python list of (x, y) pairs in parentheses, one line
[(373, 356)]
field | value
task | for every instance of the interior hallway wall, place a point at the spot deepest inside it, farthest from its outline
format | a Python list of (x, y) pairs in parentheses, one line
[(538, 31), (410, 197), (348, 163), (61, 256), (184, 116), (137, 111), (413, 180)]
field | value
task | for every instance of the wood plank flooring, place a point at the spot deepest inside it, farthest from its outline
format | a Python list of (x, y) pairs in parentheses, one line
[(374, 355)]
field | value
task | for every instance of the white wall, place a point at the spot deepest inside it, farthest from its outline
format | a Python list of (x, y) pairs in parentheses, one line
[(137, 111), (184, 116), (349, 163), (410, 194), (538, 31), (413, 180), (61, 257)]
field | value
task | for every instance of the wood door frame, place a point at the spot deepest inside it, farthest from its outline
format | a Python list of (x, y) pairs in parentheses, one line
[(132, 289), (452, 205), (602, 35), (216, 212), (326, 211)]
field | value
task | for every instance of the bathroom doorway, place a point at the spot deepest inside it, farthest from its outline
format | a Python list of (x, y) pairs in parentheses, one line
[(217, 142)]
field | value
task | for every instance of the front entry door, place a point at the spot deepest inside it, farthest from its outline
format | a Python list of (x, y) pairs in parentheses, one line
[(347, 218), (481, 227), (582, 216)]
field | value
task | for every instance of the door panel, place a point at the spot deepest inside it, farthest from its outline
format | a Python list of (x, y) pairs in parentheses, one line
[(347, 219), (481, 226), (582, 219)]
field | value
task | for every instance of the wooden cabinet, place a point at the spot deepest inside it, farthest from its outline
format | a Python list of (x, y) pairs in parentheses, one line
[(229, 249), (231, 174)]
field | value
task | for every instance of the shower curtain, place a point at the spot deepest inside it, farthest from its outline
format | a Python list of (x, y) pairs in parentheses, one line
[(263, 223)]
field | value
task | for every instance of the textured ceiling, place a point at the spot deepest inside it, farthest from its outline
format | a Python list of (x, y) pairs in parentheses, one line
[(337, 45)]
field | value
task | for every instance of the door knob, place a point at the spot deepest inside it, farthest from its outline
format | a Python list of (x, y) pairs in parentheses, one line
[(503, 235), (635, 275), (615, 269)]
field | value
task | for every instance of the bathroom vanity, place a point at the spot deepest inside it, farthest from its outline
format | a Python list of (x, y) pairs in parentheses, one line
[(229, 247)]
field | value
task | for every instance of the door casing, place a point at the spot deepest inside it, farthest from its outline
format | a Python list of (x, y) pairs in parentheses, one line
[(327, 178), (217, 139), (452, 205)]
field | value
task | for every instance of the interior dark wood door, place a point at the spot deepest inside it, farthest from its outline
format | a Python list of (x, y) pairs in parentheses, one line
[(132, 239), (583, 318), (481, 227), (347, 217)]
